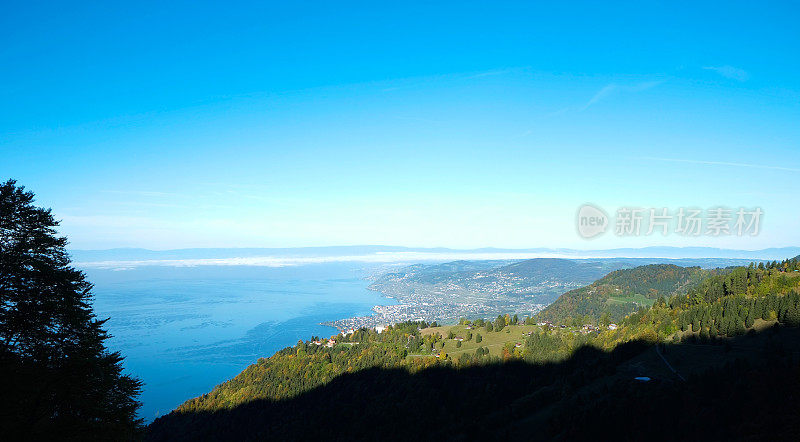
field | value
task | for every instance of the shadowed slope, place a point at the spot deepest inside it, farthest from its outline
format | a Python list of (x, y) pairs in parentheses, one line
[(592, 394)]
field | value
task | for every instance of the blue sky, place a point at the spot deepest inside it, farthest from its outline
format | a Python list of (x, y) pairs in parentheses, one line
[(460, 124)]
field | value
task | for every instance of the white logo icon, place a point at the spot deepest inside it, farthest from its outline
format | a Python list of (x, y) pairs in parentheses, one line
[(592, 221)]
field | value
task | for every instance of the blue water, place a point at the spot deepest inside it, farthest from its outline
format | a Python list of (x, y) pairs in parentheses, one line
[(185, 330)]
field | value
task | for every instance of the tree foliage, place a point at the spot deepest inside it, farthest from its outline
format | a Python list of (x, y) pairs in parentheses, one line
[(59, 380)]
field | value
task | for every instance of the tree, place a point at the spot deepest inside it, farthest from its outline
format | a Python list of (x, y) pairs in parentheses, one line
[(793, 316), (750, 318), (499, 323), (59, 379), (478, 338), (489, 326), (605, 319)]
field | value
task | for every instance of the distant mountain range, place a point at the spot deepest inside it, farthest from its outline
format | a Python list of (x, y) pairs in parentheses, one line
[(392, 254)]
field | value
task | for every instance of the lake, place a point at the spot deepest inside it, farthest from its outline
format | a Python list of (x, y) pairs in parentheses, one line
[(184, 330)]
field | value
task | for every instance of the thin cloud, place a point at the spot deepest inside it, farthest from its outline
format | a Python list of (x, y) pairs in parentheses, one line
[(724, 163), (608, 91), (614, 89), (602, 94), (142, 193), (729, 72), (424, 120), (490, 73)]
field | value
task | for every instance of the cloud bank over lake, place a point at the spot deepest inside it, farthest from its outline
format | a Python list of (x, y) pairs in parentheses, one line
[(125, 259)]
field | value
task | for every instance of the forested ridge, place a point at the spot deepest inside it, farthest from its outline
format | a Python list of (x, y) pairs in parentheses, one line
[(723, 328), (622, 292)]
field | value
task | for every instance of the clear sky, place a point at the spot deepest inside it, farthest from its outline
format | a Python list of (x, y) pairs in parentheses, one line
[(462, 124)]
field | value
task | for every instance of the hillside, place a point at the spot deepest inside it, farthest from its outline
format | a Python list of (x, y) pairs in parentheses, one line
[(622, 292), (540, 279), (473, 289), (564, 401), (449, 291), (445, 292), (724, 349)]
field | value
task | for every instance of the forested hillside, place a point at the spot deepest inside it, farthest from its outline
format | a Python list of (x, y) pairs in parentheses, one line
[(707, 344), (622, 292)]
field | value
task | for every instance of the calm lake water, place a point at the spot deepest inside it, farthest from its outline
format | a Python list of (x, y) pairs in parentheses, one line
[(185, 330)]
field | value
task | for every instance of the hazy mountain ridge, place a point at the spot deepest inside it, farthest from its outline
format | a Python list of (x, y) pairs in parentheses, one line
[(137, 254)]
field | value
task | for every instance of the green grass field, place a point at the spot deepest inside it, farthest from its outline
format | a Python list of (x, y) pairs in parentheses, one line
[(494, 341)]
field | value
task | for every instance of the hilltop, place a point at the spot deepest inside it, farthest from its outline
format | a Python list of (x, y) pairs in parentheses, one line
[(622, 292)]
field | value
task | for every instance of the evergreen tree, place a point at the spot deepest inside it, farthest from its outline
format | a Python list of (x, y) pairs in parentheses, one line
[(59, 380), (740, 326), (750, 318), (499, 323), (792, 317)]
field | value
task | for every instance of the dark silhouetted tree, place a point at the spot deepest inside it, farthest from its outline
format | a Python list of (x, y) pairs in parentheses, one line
[(58, 379)]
